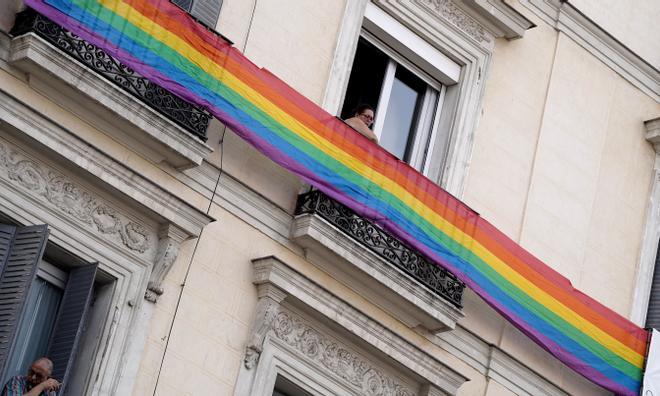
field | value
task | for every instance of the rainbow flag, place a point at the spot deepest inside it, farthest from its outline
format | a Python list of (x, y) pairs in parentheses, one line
[(165, 45)]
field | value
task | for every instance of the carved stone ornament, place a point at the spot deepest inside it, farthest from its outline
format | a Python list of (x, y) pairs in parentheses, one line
[(266, 311), (332, 357), (170, 238), (447, 10), (64, 195)]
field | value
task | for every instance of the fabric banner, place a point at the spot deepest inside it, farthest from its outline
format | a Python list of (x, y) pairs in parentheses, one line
[(652, 372), (164, 44)]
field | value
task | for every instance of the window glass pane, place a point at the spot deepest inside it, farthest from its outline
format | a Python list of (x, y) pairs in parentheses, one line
[(185, 4), (366, 78), (402, 112), (36, 326), (284, 387)]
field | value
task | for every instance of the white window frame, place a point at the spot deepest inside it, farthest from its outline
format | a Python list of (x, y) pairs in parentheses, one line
[(427, 128), (460, 62), (649, 248)]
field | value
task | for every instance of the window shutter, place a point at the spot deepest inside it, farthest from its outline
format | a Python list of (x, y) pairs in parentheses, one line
[(653, 314), (21, 249), (185, 4), (206, 11), (70, 321)]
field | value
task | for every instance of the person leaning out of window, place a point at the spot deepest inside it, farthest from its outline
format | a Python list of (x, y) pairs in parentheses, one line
[(37, 382), (363, 118)]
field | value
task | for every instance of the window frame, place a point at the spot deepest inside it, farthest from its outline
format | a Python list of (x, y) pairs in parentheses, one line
[(425, 135), (43, 268), (468, 48)]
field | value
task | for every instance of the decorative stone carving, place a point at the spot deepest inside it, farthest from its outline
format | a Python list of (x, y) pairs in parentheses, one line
[(352, 369), (267, 309), (170, 238), (447, 10), (64, 195)]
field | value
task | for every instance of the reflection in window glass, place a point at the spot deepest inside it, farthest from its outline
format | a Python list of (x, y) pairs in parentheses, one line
[(402, 112)]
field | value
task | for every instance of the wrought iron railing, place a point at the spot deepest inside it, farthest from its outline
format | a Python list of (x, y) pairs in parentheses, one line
[(435, 278), (190, 117)]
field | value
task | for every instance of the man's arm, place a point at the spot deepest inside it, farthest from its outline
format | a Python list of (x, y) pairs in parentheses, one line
[(361, 127), (48, 385)]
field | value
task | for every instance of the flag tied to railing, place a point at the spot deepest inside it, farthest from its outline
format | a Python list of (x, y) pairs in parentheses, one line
[(168, 47)]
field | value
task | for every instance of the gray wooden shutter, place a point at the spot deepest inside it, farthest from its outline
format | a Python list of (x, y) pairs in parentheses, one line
[(653, 313), (185, 4), (70, 321), (206, 11), (21, 249)]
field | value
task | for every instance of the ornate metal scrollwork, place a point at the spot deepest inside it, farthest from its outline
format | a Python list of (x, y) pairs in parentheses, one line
[(192, 118), (437, 279)]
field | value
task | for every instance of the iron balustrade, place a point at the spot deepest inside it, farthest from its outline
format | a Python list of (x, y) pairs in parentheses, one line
[(193, 119), (437, 279)]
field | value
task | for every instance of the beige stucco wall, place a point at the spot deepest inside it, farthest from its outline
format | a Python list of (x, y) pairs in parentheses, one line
[(559, 164), (634, 23), (559, 147)]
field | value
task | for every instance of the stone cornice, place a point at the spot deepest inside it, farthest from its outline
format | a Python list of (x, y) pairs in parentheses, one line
[(499, 17), (272, 271), (112, 172), (653, 133), (495, 363), (566, 18)]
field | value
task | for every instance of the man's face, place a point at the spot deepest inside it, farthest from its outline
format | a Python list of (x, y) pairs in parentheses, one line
[(38, 373), (367, 117)]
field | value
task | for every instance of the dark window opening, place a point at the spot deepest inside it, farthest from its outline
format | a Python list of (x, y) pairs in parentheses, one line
[(284, 387), (206, 11), (653, 312), (366, 79)]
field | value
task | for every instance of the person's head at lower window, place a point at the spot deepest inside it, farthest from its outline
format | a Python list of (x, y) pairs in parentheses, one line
[(39, 371), (366, 113)]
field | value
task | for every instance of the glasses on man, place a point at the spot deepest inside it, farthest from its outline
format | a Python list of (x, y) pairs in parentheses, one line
[(366, 117)]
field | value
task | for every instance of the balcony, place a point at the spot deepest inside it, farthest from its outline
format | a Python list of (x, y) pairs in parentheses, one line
[(175, 129), (377, 265)]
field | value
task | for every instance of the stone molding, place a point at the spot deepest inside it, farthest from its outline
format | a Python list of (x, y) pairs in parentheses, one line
[(649, 248), (450, 12), (564, 17), (496, 364), (272, 271), (53, 189), (165, 206), (169, 241), (335, 358), (240, 200), (268, 307), (32, 54), (371, 276), (499, 17)]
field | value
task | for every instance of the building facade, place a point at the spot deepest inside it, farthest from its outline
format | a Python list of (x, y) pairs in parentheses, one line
[(176, 259)]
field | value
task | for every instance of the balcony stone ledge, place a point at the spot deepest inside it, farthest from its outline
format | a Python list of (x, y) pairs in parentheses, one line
[(372, 277), (141, 128)]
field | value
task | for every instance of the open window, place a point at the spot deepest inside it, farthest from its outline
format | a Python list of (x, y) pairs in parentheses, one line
[(407, 101), (405, 79), (45, 299), (653, 310)]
